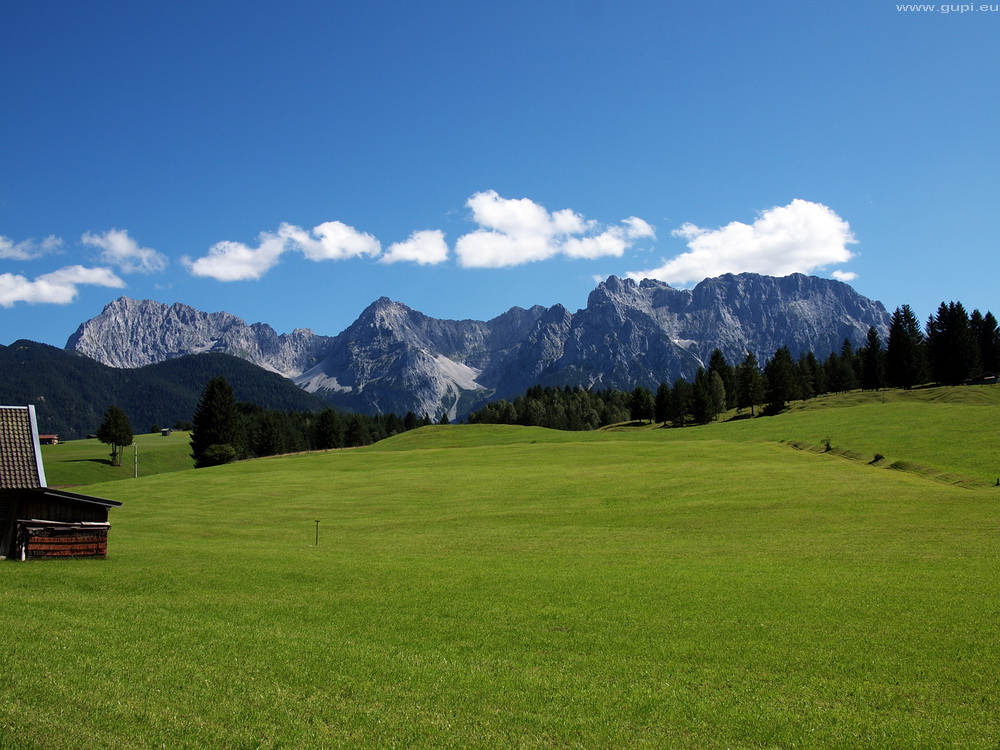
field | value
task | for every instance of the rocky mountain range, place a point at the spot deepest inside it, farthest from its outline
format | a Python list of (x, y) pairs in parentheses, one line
[(131, 333), (395, 359)]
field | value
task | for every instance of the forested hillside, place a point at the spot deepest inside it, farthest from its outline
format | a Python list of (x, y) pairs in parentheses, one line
[(71, 392)]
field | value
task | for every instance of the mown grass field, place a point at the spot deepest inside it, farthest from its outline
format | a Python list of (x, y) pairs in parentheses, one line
[(479, 586), (78, 462)]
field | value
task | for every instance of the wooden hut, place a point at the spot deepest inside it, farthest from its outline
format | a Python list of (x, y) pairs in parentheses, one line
[(38, 521)]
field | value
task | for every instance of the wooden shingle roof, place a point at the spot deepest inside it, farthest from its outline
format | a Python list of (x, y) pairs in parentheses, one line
[(20, 457)]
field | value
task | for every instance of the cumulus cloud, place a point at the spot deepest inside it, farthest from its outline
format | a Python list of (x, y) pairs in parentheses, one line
[(483, 249), (514, 231), (798, 238), (28, 249), (426, 248), (59, 287), (332, 240), (236, 261), (612, 241), (522, 216), (510, 232), (122, 251)]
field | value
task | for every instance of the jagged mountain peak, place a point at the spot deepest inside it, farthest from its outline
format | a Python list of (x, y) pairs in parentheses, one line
[(385, 310), (395, 358), (613, 286), (133, 333), (627, 292)]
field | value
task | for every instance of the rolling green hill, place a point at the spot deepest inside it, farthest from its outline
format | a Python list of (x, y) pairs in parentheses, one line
[(484, 586), (949, 432), (80, 462)]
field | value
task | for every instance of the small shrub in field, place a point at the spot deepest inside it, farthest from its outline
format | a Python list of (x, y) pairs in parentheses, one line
[(218, 454)]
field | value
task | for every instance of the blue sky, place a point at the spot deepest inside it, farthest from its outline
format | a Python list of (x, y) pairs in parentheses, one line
[(292, 162)]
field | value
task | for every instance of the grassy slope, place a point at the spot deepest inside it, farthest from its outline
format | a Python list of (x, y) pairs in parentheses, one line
[(952, 431), (487, 586), (79, 462), (904, 426)]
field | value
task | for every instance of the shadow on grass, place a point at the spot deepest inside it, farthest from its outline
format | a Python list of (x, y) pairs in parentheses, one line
[(103, 461)]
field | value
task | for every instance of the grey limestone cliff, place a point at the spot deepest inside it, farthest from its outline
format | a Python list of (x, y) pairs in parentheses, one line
[(395, 359), (134, 333)]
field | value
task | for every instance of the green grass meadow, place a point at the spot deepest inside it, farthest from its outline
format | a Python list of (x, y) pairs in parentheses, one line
[(485, 586), (78, 462)]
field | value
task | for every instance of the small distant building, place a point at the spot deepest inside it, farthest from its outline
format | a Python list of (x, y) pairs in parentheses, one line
[(167, 431), (985, 378), (37, 521), (48, 439)]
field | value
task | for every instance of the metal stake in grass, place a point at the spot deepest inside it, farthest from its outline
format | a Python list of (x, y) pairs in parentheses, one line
[(317, 532)]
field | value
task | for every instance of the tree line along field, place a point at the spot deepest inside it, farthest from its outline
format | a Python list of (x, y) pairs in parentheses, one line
[(487, 585), (893, 423)]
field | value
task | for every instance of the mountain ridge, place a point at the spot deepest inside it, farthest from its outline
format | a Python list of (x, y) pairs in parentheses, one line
[(123, 337), (394, 358)]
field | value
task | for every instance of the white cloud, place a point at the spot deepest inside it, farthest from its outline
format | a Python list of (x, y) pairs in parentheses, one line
[(58, 287), (511, 232), (28, 249), (522, 216), (426, 248), (516, 231), (798, 238), (482, 249), (636, 228), (612, 241), (124, 252), (332, 240), (234, 261), (844, 275)]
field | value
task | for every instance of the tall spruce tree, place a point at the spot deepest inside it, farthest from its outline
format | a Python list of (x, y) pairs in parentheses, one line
[(328, 431), (641, 404), (661, 405), (780, 378), (851, 364), (750, 384), (839, 369), (952, 348), (217, 435), (358, 432), (987, 334), (681, 402), (717, 363), (807, 376), (717, 393), (268, 438), (701, 407), (905, 354), (872, 362)]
